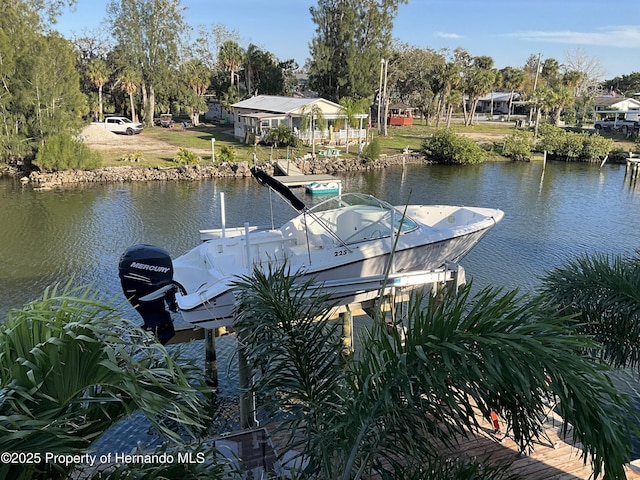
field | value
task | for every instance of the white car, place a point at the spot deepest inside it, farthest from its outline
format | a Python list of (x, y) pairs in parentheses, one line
[(120, 125)]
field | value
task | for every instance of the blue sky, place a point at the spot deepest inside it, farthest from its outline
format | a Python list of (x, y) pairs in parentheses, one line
[(507, 30)]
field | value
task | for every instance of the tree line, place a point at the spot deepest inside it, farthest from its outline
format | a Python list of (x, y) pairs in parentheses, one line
[(147, 60)]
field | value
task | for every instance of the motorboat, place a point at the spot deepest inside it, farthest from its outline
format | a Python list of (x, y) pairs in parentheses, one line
[(322, 187), (352, 245)]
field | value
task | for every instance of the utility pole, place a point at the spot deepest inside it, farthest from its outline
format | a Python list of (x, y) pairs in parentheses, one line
[(384, 96), (380, 94), (535, 85)]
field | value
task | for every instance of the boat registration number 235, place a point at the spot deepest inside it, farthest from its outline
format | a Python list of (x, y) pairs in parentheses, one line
[(341, 252)]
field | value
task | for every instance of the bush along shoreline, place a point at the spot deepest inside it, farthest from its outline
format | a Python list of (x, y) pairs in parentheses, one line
[(44, 180)]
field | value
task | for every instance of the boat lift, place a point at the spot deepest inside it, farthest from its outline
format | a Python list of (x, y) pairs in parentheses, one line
[(396, 285), (364, 299)]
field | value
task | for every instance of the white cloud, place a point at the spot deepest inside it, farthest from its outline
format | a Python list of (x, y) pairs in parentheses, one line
[(448, 35), (622, 36)]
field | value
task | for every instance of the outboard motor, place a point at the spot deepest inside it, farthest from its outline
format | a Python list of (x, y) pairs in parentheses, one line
[(143, 270)]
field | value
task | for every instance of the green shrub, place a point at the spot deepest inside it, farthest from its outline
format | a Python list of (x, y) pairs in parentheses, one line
[(62, 152), (550, 138), (573, 146), (445, 146), (596, 146), (227, 154), (372, 150), (518, 145), (131, 157), (186, 157), (570, 147)]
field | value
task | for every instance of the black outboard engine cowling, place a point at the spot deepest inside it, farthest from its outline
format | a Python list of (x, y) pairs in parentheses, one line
[(143, 270)]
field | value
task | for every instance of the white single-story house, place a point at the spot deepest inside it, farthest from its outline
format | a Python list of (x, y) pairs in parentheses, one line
[(623, 108), (253, 117), (216, 112), (496, 103)]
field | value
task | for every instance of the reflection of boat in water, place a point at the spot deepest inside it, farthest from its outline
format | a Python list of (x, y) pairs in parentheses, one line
[(322, 187), (343, 243)]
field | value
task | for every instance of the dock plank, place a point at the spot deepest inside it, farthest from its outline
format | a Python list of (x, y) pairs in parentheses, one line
[(301, 180), (288, 167), (543, 462)]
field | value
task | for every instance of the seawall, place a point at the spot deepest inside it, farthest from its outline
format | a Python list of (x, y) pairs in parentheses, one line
[(332, 166)]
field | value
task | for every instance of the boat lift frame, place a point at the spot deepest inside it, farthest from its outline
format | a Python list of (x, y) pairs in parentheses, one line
[(398, 285)]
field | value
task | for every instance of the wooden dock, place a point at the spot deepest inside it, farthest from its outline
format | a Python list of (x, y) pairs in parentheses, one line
[(558, 461), (287, 167), (302, 180), (293, 177)]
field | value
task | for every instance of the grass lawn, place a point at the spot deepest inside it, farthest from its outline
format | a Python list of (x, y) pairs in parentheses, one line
[(198, 139)]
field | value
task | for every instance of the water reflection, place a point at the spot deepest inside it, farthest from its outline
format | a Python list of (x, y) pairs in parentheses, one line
[(552, 214)]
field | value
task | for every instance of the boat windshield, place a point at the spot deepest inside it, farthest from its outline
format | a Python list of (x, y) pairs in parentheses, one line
[(357, 217)]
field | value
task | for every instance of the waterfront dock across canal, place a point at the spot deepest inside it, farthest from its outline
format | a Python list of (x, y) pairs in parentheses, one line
[(293, 177)]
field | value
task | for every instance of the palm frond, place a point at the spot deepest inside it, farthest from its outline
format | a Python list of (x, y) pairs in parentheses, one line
[(604, 293), (406, 397), (70, 367)]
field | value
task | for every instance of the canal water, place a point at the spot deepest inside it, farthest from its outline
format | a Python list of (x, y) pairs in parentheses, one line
[(553, 213)]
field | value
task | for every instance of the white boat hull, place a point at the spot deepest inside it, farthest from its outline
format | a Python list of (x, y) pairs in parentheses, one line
[(343, 245), (217, 311)]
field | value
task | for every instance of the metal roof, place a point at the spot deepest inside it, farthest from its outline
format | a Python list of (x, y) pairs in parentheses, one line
[(607, 101), (499, 96), (276, 104)]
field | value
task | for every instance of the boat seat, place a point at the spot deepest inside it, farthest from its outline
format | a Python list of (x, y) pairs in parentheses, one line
[(352, 221)]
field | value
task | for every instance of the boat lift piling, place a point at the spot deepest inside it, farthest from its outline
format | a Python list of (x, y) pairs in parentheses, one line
[(346, 318), (450, 277), (211, 357), (633, 167), (436, 281)]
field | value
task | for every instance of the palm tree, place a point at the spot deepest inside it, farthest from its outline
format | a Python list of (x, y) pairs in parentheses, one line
[(129, 81), (604, 294), (445, 78), (230, 58), (394, 408), (479, 80), (454, 98), (512, 79), (312, 118), (98, 74), (251, 61), (280, 136), (196, 77), (231, 96), (350, 107), (71, 367)]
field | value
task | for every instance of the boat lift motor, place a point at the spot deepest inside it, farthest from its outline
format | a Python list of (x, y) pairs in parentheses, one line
[(146, 276)]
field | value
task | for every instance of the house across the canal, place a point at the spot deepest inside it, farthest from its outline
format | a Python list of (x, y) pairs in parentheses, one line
[(255, 116)]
